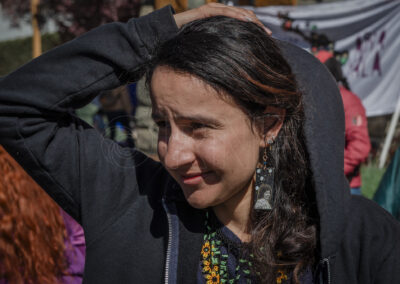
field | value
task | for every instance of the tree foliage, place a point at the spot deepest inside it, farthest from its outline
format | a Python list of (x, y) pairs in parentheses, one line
[(16, 52), (73, 17)]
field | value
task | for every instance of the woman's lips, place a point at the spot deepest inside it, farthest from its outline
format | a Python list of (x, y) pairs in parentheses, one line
[(193, 179)]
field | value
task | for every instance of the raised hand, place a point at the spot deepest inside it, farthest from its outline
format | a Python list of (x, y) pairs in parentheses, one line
[(217, 9)]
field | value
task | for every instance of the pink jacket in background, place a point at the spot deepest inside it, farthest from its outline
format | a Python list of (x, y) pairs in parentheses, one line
[(356, 134)]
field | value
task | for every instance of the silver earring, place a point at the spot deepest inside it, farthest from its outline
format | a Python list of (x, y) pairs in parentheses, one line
[(263, 189)]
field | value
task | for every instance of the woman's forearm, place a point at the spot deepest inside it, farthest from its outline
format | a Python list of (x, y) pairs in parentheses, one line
[(65, 156)]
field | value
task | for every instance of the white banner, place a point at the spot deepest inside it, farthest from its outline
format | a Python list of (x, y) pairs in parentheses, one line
[(369, 30)]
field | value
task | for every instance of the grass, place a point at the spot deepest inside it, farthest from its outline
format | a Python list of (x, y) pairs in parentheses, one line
[(371, 176)]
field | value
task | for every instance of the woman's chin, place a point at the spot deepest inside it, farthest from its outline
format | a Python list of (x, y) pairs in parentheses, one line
[(199, 201)]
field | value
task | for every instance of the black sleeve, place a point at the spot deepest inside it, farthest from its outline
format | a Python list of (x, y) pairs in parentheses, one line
[(88, 176)]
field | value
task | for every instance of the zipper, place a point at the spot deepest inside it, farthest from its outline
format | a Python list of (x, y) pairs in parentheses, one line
[(325, 264), (168, 258)]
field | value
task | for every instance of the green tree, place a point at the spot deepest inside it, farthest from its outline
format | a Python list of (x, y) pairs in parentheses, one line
[(72, 17)]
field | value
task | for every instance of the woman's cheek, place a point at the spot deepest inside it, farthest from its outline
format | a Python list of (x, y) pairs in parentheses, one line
[(161, 150), (212, 155)]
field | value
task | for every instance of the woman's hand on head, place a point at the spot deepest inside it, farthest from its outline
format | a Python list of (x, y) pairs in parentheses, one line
[(217, 9)]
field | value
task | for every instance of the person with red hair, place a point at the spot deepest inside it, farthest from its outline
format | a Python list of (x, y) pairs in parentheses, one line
[(39, 243)]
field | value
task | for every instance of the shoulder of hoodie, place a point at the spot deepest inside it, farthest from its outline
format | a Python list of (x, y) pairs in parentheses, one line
[(371, 231)]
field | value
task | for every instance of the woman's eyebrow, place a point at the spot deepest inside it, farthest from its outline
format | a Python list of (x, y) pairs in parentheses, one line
[(198, 118), (193, 117)]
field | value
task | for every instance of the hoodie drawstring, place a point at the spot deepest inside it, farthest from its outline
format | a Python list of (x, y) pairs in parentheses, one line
[(325, 271)]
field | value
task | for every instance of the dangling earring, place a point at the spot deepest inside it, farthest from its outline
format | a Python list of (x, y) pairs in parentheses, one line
[(264, 182)]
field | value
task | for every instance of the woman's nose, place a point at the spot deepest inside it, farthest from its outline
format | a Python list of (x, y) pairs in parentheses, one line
[(179, 151)]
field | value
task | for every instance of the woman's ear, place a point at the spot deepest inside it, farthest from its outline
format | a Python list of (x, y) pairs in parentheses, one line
[(271, 124)]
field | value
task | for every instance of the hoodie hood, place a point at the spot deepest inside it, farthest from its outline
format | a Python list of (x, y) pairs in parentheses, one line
[(324, 131)]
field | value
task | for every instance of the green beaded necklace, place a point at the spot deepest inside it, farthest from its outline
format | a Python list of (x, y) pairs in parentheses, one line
[(214, 263)]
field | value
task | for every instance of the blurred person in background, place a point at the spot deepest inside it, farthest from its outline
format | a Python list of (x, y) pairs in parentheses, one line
[(116, 105), (133, 97), (39, 243), (146, 128), (357, 145)]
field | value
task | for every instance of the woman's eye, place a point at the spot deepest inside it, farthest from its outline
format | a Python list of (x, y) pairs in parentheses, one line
[(195, 126), (161, 123)]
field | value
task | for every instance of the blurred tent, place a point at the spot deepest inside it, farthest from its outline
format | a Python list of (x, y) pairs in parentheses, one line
[(182, 5), (364, 35), (388, 193)]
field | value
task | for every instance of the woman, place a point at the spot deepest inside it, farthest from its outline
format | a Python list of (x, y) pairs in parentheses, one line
[(39, 243), (236, 131)]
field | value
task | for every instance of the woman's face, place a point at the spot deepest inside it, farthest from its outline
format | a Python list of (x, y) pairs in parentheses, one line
[(206, 143)]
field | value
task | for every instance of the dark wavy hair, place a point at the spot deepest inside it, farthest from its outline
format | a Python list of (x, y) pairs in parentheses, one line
[(32, 230), (239, 60), (335, 67)]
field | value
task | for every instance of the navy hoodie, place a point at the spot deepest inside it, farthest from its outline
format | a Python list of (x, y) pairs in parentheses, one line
[(138, 227)]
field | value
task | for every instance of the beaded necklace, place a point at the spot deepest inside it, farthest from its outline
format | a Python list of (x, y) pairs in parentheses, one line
[(214, 262)]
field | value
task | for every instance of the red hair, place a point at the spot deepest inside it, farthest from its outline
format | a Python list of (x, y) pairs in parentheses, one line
[(32, 230)]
